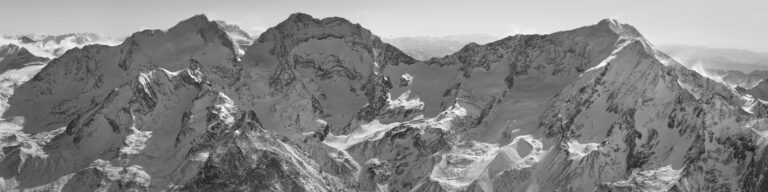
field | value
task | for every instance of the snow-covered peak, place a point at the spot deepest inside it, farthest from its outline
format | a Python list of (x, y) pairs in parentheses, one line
[(625, 33), (622, 29), (239, 36)]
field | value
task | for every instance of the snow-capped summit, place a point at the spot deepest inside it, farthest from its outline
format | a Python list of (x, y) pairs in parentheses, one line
[(240, 37), (624, 30)]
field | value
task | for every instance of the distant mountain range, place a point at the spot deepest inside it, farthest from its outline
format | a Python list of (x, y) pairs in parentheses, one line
[(426, 47), (732, 66), (722, 58), (52, 46)]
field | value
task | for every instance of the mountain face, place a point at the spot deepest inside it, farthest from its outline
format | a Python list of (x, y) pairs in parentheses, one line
[(325, 105)]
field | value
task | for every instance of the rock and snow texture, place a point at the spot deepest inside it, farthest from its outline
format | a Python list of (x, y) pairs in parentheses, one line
[(13, 57), (145, 116), (52, 46), (238, 36), (737, 78), (759, 91), (325, 105)]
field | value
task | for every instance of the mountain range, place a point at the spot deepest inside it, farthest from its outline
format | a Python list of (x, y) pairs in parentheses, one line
[(426, 47), (326, 105), (734, 67)]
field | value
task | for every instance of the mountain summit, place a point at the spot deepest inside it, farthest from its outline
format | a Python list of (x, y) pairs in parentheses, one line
[(324, 105)]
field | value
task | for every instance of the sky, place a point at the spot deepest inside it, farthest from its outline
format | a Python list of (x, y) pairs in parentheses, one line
[(711, 23)]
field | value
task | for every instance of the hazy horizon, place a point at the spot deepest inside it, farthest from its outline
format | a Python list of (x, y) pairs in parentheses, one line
[(700, 23)]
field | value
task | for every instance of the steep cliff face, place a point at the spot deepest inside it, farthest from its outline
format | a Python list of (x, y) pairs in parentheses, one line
[(324, 105), (306, 69)]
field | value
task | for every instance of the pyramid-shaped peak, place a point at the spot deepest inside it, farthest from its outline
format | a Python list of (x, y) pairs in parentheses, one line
[(194, 22), (189, 25), (622, 29), (609, 22), (187, 34), (197, 18)]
